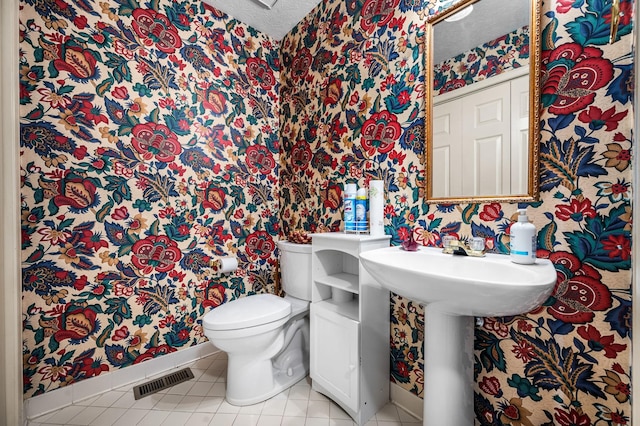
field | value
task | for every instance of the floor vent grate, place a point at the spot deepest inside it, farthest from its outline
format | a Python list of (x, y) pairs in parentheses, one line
[(161, 383)]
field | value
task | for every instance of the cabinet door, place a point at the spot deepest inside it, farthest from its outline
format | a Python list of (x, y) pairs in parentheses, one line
[(334, 353)]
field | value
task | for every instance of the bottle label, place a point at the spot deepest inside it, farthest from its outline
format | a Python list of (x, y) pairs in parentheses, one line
[(349, 214)]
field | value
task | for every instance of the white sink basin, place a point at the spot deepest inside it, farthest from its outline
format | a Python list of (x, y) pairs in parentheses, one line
[(454, 289), (462, 285)]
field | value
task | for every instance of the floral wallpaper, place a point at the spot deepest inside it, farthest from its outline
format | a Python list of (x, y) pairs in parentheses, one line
[(149, 147), (487, 60), (352, 110)]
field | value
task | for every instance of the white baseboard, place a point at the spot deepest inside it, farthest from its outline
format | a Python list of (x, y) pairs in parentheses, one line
[(65, 396), (406, 400)]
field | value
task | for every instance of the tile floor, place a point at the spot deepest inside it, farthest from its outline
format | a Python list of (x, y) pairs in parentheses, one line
[(200, 401)]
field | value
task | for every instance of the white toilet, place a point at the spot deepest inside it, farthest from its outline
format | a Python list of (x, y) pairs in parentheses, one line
[(266, 337)]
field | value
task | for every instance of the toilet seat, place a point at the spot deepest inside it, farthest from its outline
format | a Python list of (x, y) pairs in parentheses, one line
[(247, 312)]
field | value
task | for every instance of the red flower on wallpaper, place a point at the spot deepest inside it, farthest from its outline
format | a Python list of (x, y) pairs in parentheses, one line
[(213, 100), (492, 212), (380, 132), (214, 197), (260, 244), (563, 6), (571, 74), (618, 246), (301, 64), (597, 119), (214, 295), (332, 94), (154, 352), (155, 28), (75, 323), (451, 84), (260, 73), (571, 418), (301, 155), (332, 197), (157, 252), (579, 291), (78, 62), (577, 210), (598, 342), (76, 192), (260, 159), (377, 13), (155, 140)]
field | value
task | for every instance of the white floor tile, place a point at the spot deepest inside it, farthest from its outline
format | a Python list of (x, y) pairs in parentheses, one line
[(189, 403), (269, 420), (109, 417), (293, 421), (341, 422), (200, 389), (217, 389), (316, 422), (274, 407), (209, 404), (168, 402), (126, 401), (252, 409), (148, 402), (223, 419), (299, 391), (200, 419), (296, 408), (134, 415), (181, 388), (388, 413), (154, 418), (336, 412), (86, 416), (201, 402), (318, 409), (317, 396), (227, 408), (64, 415), (246, 420), (176, 419)]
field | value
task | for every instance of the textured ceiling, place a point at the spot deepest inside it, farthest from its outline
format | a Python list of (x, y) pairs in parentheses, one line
[(276, 22), (489, 20)]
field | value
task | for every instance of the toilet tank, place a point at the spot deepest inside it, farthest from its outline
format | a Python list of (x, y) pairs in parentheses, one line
[(295, 269)]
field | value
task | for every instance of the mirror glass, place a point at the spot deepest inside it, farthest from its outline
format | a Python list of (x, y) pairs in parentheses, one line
[(482, 108)]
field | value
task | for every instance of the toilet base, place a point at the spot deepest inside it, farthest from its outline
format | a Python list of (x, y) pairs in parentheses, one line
[(253, 381), (281, 382)]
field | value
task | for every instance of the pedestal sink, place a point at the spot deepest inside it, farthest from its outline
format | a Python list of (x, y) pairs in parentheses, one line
[(454, 290)]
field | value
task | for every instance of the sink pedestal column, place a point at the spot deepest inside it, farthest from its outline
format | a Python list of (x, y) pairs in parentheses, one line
[(448, 368)]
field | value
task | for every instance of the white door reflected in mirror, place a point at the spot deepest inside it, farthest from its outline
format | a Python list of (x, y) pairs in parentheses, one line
[(480, 139)]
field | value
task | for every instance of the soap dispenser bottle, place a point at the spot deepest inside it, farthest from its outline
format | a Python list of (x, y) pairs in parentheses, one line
[(523, 240)]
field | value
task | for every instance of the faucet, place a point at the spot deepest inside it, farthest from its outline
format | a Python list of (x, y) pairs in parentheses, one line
[(454, 246)]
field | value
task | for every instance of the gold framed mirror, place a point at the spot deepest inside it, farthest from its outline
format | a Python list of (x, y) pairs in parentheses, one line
[(482, 102)]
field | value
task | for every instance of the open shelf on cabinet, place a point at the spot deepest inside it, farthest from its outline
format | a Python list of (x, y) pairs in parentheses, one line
[(346, 309), (343, 280)]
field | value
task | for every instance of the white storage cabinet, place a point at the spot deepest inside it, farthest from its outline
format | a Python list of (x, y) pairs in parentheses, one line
[(349, 325)]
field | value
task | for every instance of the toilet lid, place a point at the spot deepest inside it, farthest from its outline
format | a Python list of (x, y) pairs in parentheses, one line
[(247, 312)]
